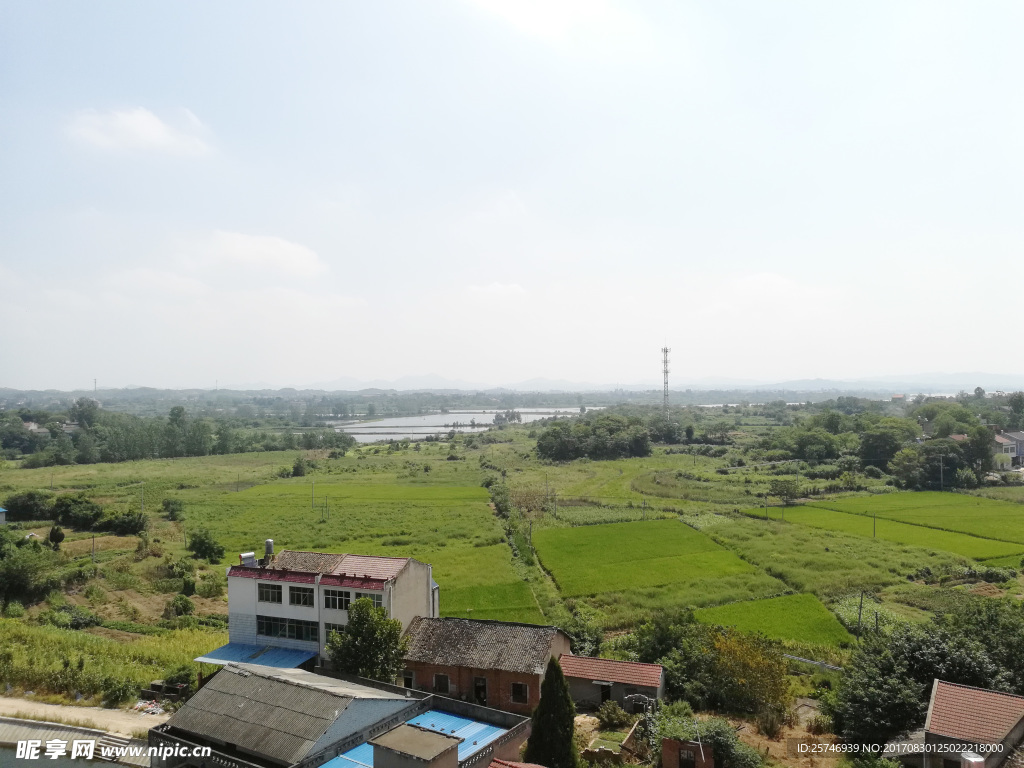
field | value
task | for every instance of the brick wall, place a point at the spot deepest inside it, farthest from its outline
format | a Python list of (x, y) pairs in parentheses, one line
[(671, 749), (461, 685)]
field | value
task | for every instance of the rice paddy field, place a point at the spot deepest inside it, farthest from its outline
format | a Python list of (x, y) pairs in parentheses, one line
[(887, 529), (988, 519), (638, 561), (789, 617), (616, 541)]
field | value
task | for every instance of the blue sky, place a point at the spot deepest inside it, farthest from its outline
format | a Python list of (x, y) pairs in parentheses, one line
[(495, 191)]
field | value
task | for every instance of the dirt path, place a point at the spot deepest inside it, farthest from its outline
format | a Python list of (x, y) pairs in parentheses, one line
[(112, 720)]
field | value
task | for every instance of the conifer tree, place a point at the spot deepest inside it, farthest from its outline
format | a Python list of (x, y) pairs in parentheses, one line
[(551, 741)]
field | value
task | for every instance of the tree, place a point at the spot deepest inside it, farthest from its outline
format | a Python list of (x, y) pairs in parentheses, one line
[(1016, 402), (551, 739), (84, 411), (299, 467), (202, 544), (907, 466), (878, 699), (370, 645), (787, 490), (879, 445), (30, 505), (56, 536)]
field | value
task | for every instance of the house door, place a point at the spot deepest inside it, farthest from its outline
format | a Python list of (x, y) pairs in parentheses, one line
[(606, 693), (480, 690), (687, 759)]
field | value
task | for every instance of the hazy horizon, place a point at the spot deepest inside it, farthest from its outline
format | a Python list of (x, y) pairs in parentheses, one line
[(498, 191)]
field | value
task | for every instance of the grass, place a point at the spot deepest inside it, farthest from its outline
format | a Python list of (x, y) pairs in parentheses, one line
[(789, 617), (629, 568), (961, 513), (829, 564), (900, 533), (39, 654)]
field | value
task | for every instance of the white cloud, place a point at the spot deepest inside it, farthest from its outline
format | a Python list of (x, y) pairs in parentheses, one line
[(497, 291), (257, 253), (137, 130)]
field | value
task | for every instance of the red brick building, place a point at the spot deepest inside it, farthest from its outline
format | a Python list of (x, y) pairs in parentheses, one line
[(686, 754), (497, 664)]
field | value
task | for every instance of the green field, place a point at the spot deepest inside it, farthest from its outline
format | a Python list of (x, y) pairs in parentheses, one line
[(974, 515), (627, 557), (790, 617), (902, 533)]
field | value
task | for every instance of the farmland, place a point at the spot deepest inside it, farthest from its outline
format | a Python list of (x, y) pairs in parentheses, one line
[(789, 617), (629, 559), (901, 533), (961, 513)]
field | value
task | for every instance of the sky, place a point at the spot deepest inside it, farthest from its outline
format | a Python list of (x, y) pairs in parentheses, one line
[(493, 191)]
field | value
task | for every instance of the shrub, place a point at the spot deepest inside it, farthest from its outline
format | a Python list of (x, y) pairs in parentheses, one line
[(31, 505), (183, 674), (180, 605), (202, 544), (211, 585), (174, 509), (873, 472), (77, 511), (300, 467), (188, 585), (117, 690), (820, 724), (14, 610), (612, 716)]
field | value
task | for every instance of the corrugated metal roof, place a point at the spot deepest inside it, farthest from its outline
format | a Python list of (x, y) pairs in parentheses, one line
[(475, 734), (480, 644), (266, 656)]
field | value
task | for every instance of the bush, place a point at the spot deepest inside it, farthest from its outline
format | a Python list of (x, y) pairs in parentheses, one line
[(188, 585), (183, 674), (300, 467), (202, 544), (14, 610), (820, 724), (117, 690), (211, 585), (612, 716), (770, 720), (123, 523), (174, 509), (873, 472), (180, 606), (77, 511), (31, 505)]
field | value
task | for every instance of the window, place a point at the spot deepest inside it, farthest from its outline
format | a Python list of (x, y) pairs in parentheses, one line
[(300, 596), (294, 629), (269, 593), (271, 626), (441, 684), (338, 599), (377, 597), (407, 678), (328, 628), (520, 693)]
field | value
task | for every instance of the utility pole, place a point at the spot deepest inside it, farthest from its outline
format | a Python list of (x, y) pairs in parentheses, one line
[(664, 369), (860, 611)]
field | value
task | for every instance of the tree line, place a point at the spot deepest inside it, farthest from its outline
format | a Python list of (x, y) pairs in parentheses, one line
[(87, 434)]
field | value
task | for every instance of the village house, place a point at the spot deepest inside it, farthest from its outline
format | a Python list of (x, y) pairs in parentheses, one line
[(991, 723), (498, 664), (253, 716), (594, 681), (289, 602), (1017, 438), (1006, 446)]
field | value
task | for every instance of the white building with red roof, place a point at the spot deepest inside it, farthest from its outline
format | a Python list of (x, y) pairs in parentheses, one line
[(594, 681), (283, 606), (991, 723)]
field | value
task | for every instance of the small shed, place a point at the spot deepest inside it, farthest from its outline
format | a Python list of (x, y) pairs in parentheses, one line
[(594, 681)]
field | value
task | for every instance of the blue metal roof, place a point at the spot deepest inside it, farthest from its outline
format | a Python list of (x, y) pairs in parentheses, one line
[(475, 736), (286, 658)]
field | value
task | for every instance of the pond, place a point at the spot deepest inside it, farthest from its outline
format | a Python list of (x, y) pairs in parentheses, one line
[(463, 420)]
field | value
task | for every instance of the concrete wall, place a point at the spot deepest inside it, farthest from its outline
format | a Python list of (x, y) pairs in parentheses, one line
[(389, 758), (410, 594)]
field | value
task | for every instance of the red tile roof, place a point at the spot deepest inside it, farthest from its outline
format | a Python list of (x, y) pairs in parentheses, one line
[(267, 574), (612, 671), (974, 715), (496, 763)]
